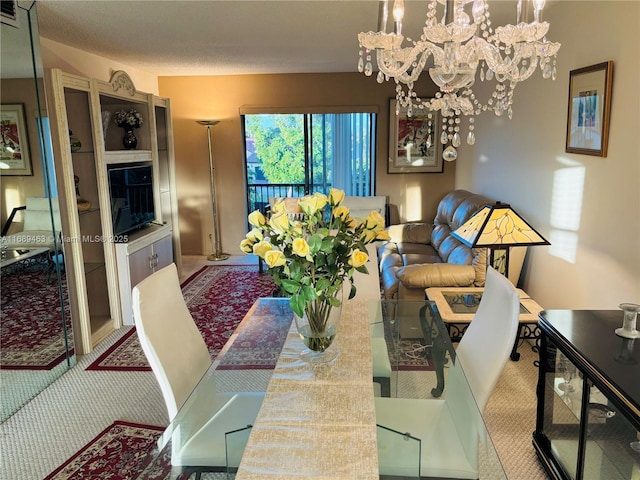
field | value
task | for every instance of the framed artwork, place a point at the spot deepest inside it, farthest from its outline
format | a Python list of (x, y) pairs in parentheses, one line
[(14, 144), (589, 109), (414, 146)]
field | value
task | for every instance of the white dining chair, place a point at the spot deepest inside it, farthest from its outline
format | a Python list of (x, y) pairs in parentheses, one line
[(440, 437), (179, 359)]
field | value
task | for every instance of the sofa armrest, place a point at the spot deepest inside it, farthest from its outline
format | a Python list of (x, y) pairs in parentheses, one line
[(411, 233), (436, 275)]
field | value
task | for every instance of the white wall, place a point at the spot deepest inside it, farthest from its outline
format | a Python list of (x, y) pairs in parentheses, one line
[(588, 207), (79, 62)]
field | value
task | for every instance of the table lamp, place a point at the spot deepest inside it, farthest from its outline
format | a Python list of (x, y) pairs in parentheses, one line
[(498, 227)]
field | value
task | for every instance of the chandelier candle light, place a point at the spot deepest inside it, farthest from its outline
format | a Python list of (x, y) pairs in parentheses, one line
[(460, 43)]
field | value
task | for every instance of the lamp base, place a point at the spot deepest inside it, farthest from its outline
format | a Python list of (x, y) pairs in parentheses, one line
[(216, 257)]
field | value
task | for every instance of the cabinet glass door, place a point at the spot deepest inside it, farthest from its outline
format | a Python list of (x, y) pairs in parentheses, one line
[(609, 442)]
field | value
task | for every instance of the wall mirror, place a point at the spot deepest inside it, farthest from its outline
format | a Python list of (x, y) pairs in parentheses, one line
[(35, 332)]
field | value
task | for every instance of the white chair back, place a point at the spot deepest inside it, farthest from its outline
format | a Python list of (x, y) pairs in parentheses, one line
[(480, 359), (169, 337), (37, 216), (360, 207), (487, 342)]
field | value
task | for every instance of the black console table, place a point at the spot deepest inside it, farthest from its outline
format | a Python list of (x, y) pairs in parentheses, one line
[(588, 415)]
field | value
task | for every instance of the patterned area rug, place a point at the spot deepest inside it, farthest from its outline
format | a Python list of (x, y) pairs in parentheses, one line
[(412, 355), (259, 343), (31, 331), (218, 298), (120, 452)]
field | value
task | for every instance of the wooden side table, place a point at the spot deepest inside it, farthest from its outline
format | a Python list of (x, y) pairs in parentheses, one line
[(458, 305)]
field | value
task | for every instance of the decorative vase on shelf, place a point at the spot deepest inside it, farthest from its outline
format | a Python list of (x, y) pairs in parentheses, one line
[(318, 328), (128, 120), (74, 141), (129, 141)]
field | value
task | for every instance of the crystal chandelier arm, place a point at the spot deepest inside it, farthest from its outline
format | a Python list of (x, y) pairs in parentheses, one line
[(547, 49), (502, 66), (522, 32), (408, 63), (525, 73)]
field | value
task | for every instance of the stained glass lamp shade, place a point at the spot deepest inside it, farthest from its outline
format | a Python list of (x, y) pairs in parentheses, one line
[(498, 227)]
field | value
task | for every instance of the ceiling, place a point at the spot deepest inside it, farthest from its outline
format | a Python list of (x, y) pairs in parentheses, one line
[(214, 37)]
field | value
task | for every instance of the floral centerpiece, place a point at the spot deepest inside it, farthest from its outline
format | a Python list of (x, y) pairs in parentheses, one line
[(128, 119), (310, 259)]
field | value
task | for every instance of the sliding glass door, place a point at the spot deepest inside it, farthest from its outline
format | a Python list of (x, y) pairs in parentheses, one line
[(290, 155)]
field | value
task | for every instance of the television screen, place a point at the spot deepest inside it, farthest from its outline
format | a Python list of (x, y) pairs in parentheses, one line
[(131, 190)]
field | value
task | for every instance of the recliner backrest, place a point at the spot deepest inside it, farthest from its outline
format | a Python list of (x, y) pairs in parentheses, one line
[(454, 210), (169, 337)]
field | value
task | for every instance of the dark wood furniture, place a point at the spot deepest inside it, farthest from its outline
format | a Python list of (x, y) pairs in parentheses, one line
[(588, 415)]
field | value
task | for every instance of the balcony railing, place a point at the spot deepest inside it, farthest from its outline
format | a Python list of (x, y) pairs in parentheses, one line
[(259, 194)]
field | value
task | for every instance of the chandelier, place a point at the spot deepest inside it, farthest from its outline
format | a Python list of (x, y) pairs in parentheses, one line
[(459, 44)]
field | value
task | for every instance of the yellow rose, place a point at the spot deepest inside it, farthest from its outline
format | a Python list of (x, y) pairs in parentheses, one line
[(341, 212), (246, 245), (279, 222), (257, 219), (336, 196), (261, 248), (358, 258), (312, 203), (300, 247), (383, 235), (255, 235), (278, 206), (275, 258), (321, 200), (368, 236), (297, 228), (374, 221)]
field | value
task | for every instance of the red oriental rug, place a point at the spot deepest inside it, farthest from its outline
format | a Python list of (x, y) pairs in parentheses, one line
[(122, 451), (31, 329), (218, 298)]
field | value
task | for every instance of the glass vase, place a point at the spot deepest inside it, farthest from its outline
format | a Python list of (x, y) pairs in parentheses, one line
[(318, 328)]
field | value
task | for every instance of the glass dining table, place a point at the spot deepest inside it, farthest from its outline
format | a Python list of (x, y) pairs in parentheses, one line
[(320, 420)]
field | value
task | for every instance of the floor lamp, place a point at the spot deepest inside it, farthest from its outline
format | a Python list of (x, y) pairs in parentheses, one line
[(217, 254)]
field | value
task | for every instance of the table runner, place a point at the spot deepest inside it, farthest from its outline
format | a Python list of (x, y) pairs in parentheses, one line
[(319, 420)]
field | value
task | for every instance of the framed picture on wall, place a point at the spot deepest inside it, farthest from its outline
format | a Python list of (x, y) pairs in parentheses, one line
[(413, 143), (14, 144), (589, 109)]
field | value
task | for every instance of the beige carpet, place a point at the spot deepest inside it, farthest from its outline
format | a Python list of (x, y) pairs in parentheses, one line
[(511, 417)]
